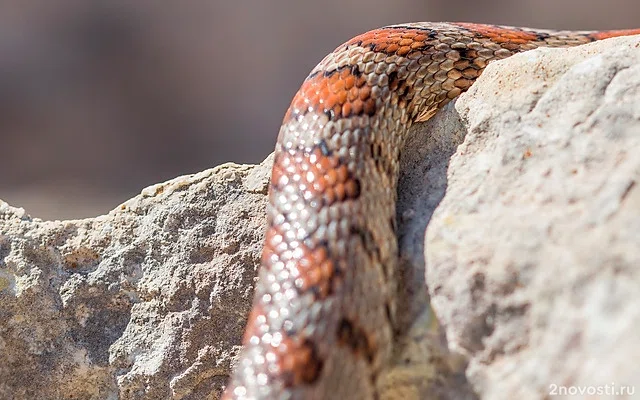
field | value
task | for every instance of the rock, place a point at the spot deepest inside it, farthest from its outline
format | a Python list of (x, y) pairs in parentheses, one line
[(533, 255), (530, 255), (147, 302)]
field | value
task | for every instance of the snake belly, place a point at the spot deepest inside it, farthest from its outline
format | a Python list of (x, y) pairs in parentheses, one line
[(321, 325)]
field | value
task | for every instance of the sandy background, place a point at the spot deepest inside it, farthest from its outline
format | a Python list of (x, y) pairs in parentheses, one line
[(101, 98)]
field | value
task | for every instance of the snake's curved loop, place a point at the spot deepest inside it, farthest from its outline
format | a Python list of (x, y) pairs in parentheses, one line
[(321, 323)]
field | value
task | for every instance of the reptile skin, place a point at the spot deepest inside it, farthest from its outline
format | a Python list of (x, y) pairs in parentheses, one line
[(321, 326)]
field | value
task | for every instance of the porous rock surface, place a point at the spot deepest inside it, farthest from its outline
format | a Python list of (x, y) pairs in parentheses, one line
[(526, 188), (533, 255), (147, 302)]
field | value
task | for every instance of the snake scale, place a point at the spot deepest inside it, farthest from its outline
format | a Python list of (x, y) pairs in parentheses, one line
[(321, 325)]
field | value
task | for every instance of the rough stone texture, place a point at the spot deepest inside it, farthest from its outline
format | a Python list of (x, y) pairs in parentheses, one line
[(147, 302), (531, 255)]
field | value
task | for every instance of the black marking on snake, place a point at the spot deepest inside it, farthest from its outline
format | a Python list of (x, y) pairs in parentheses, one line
[(393, 80), (358, 188), (464, 54), (376, 154), (400, 88), (382, 162), (592, 38), (387, 310), (312, 75), (350, 334), (330, 114), (542, 36), (394, 225), (330, 72), (421, 48), (313, 368), (353, 68), (368, 241), (431, 33), (322, 145)]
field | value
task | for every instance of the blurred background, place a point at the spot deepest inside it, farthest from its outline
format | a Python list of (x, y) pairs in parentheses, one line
[(99, 99)]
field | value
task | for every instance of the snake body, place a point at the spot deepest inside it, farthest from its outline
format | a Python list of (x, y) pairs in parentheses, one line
[(321, 326)]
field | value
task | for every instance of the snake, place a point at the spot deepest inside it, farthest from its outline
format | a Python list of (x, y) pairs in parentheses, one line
[(322, 321)]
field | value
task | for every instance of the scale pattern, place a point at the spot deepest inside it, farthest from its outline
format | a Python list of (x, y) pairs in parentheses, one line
[(322, 321)]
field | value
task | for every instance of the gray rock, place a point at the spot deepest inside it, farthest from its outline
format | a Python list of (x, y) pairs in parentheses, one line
[(147, 302), (531, 255)]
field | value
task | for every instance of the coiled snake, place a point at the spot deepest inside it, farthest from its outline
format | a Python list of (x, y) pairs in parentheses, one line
[(322, 317)]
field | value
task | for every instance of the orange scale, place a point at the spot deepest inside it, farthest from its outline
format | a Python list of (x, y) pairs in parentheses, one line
[(420, 38), (345, 111), (499, 34), (610, 34), (391, 33), (323, 289), (361, 82), (303, 166), (308, 279), (356, 106), (311, 175), (364, 93), (278, 177), (323, 164), (266, 255), (403, 51), (331, 176), (320, 254), (416, 45), (341, 97), (327, 270), (292, 168), (329, 196), (340, 192), (352, 189), (380, 46), (369, 107), (323, 92), (329, 101), (392, 48), (342, 173), (314, 160), (353, 94), (288, 361), (366, 43), (337, 109), (349, 80), (314, 156), (306, 261), (337, 85)]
